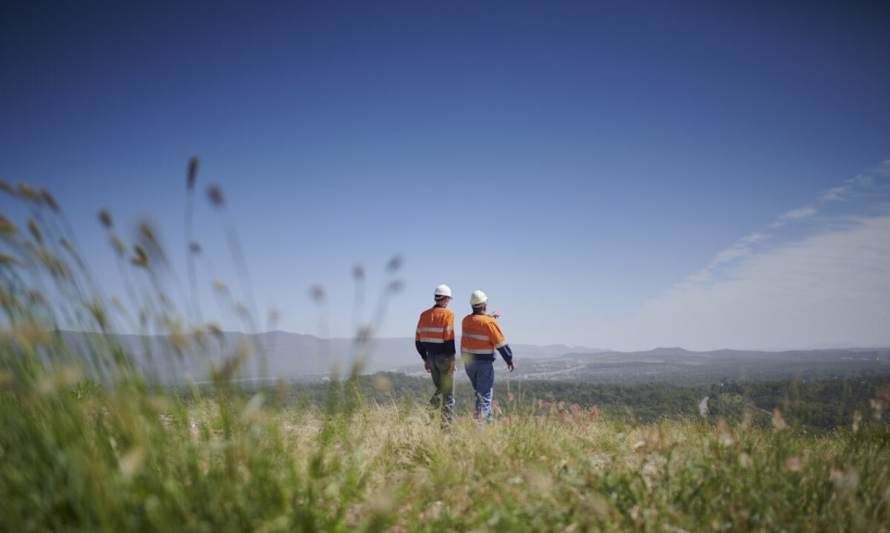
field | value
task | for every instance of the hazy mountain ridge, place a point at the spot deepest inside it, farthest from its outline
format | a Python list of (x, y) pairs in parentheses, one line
[(295, 356)]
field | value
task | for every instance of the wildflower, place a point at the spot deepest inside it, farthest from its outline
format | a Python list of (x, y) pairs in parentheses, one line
[(192, 174), (215, 195)]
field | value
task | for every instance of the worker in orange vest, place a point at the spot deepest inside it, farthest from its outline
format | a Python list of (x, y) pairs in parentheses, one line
[(435, 344), (480, 337)]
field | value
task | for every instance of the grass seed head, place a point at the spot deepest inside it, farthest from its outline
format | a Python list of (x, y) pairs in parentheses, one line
[(317, 294), (220, 287), (118, 245), (394, 263), (191, 174), (49, 200), (105, 219), (34, 230), (395, 287), (29, 193), (140, 258), (216, 197), (7, 228)]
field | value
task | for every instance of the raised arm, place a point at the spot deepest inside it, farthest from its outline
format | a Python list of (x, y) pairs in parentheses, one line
[(500, 342)]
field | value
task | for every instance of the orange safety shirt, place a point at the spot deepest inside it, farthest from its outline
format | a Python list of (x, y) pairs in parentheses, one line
[(435, 329), (481, 335)]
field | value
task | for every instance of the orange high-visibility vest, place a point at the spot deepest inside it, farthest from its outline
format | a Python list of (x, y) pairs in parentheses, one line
[(436, 325), (480, 334)]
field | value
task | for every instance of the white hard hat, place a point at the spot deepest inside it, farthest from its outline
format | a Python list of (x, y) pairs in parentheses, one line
[(443, 290), (478, 298)]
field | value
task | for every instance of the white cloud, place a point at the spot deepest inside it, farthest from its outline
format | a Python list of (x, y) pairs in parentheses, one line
[(829, 288), (794, 214), (826, 289), (835, 193)]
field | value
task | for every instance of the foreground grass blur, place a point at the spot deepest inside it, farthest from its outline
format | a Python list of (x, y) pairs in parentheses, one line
[(88, 442), (79, 456)]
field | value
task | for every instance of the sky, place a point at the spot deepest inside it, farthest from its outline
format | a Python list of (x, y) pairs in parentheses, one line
[(619, 175)]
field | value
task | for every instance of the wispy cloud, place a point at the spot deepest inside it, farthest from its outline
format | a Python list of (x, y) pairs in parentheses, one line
[(835, 193), (776, 289), (794, 214), (827, 289)]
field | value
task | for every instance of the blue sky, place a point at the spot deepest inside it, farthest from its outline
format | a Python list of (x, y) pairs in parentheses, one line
[(581, 163)]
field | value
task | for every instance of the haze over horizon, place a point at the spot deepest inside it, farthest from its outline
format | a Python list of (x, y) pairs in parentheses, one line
[(623, 176)]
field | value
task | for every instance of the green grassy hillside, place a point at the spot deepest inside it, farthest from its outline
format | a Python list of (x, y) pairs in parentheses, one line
[(73, 455)]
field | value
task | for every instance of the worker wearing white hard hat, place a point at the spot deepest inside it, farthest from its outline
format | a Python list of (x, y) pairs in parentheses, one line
[(480, 337), (434, 340)]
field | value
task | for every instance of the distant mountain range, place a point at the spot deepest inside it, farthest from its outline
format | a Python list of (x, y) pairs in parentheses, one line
[(294, 356), (280, 353)]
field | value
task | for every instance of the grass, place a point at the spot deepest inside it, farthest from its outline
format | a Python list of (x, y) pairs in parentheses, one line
[(88, 443), (76, 455)]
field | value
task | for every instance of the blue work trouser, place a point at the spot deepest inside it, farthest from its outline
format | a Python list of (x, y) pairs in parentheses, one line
[(481, 374)]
